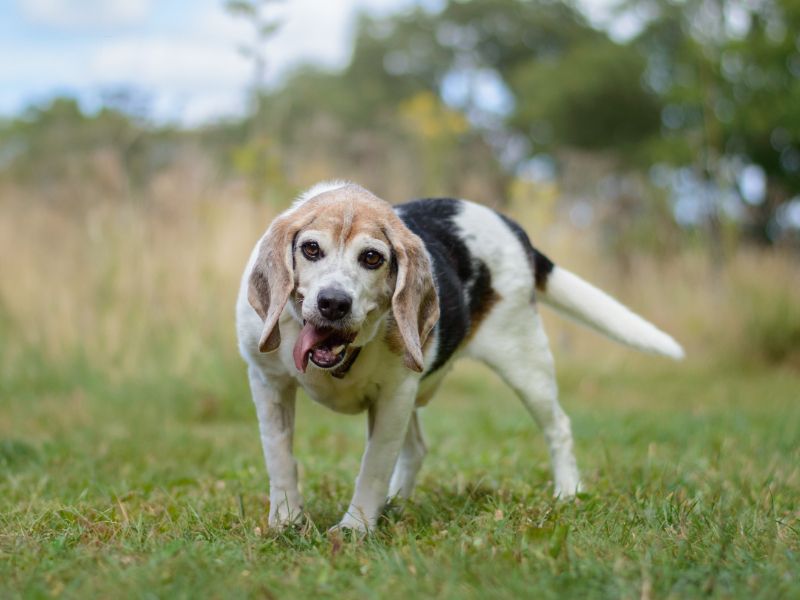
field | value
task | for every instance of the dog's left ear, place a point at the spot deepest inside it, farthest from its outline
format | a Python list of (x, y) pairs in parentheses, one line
[(272, 279), (415, 304)]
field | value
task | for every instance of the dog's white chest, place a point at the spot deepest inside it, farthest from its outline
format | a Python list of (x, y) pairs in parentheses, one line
[(348, 399)]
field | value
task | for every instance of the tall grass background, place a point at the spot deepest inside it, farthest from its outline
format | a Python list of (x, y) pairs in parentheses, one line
[(145, 285)]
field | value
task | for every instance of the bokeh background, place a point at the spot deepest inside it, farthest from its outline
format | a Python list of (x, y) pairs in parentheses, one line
[(652, 146)]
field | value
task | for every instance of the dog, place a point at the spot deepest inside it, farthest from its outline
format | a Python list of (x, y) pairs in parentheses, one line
[(367, 306)]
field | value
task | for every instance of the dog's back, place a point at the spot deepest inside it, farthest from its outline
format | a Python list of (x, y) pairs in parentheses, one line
[(477, 262), (484, 262)]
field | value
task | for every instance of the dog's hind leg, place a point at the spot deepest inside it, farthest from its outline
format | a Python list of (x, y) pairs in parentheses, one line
[(410, 460), (514, 344)]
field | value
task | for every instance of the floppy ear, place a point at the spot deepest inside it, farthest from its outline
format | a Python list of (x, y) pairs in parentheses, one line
[(415, 304), (272, 279)]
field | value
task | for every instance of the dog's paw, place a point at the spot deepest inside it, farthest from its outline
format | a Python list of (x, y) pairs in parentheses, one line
[(351, 523), (283, 515), (564, 490), (281, 523)]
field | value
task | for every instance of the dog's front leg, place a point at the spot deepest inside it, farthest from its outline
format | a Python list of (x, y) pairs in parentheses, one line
[(275, 408), (389, 417)]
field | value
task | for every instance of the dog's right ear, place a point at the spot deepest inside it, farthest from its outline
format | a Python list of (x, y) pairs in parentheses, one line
[(272, 279)]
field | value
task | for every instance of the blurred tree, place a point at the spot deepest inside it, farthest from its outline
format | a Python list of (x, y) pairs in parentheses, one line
[(591, 98), (58, 142), (264, 27), (760, 109), (573, 93), (373, 111), (393, 59), (436, 130), (570, 84), (259, 157), (729, 77), (708, 84)]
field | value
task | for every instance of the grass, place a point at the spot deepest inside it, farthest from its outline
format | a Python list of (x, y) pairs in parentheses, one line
[(156, 488), (130, 463)]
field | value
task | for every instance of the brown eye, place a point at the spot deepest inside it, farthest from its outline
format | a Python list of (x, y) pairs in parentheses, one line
[(371, 259), (311, 250)]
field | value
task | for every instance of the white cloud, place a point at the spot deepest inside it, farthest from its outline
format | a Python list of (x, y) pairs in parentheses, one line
[(191, 78), (164, 63), (199, 74), (194, 75), (310, 31), (191, 68), (30, 61), (69, 14)]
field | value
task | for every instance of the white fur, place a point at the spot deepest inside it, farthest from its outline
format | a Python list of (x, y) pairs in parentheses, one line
[(511, 340), (574, 297)]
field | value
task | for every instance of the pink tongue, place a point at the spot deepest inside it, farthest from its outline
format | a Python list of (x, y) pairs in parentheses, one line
[(309, 337)]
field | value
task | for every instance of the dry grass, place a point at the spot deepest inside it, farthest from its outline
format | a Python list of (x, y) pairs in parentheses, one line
[(114, 280), (117, 279)]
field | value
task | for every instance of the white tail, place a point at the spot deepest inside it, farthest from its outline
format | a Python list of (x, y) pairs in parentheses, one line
[(571, 295)]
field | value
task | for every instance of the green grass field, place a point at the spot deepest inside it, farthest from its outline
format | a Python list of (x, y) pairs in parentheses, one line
[(130, 463), (154, 486)]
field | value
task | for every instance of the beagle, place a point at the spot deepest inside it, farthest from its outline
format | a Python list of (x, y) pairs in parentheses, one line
[(367, 306)]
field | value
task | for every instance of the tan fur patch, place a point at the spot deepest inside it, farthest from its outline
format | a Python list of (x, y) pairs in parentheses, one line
[(349, 211), (482, 309), (393, 339), (424, 398)]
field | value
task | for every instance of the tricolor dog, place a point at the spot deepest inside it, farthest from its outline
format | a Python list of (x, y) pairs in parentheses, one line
[(367, 306)]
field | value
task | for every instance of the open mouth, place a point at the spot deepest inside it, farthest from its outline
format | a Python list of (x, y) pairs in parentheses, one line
[(324, 346)]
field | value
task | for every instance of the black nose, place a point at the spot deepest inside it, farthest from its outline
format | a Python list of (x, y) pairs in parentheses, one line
[(333, 304)]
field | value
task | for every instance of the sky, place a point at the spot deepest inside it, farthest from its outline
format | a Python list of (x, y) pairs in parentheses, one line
[(182, 54)]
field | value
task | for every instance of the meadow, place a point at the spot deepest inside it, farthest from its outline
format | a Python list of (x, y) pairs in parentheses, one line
[(130, 463)]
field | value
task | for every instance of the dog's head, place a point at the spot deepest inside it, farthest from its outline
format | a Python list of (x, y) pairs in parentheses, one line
[(346, 261)]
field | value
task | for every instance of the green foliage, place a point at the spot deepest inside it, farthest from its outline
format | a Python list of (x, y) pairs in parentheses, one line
[(727, 93), (258, 159), (368, 92), (771, 328), (59, 143), (506, 34), (590, 98), (762, 75)]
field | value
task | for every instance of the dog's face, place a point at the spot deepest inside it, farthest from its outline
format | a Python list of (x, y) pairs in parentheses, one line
[(343, 284), (346, 261)]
